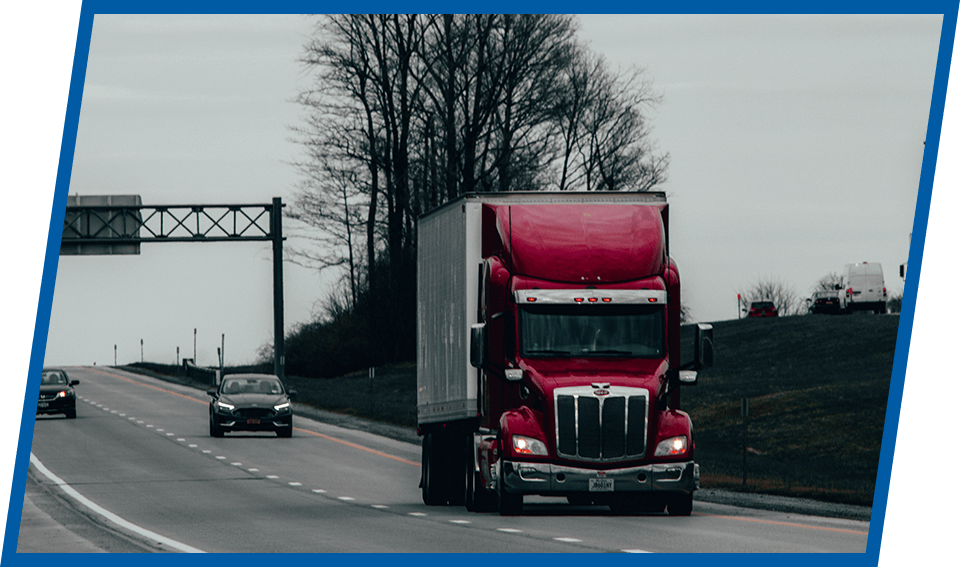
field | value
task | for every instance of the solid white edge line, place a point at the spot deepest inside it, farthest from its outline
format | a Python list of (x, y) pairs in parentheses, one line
[(106, 513)]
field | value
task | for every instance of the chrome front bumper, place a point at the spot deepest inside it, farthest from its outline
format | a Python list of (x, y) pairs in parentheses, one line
[(548, 479)]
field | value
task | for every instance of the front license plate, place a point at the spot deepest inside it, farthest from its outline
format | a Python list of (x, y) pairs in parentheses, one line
[(253, 421), (42, 404), (601, 485)]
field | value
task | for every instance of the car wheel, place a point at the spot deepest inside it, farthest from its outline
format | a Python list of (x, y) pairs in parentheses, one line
[(215, 430), (285, 432), (71, 414)]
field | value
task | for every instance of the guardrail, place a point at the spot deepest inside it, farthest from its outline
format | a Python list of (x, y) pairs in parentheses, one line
[(200, 374)]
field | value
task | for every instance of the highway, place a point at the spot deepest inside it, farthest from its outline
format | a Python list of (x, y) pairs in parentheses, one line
[(139, 450)]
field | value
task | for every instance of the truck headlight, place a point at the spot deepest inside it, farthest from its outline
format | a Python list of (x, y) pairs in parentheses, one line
[(673, 446), (528, 446)]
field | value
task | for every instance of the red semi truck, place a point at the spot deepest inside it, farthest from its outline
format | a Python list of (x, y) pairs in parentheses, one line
[(548, 357)]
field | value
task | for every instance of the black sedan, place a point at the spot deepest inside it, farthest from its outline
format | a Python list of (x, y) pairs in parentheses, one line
[(57, 394), (251, 402), (826, 301)]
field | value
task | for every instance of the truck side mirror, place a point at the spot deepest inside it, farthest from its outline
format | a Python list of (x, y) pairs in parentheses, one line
[(478, 344), (703, 346)]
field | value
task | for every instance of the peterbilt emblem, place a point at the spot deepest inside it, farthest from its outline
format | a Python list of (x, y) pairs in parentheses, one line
[(600, 388)]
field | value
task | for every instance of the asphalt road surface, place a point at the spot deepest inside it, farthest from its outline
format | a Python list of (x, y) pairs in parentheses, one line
[(138, 471)]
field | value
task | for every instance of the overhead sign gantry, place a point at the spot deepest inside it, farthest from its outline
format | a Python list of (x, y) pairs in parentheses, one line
[(118, 224)]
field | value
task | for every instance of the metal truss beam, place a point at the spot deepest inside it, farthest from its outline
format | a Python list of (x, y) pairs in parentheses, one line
[(169, 223), (120, 229)]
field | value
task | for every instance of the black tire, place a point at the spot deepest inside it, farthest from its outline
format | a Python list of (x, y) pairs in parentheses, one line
[(215, 430), (680, 504), (71, 413), (431, 482), (508, 504), (476, 497), (286, 432), (470, 481)]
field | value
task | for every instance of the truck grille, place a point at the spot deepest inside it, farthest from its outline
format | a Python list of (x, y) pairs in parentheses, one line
[(607, 427)]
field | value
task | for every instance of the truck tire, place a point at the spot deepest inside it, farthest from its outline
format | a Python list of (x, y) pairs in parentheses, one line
[(508, 504), (680, 504), (476, 497), (432, 481)]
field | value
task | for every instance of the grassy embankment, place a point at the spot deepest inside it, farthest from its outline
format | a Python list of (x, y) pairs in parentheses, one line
[(817, 387)]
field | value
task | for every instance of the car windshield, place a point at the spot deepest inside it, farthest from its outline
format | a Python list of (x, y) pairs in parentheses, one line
[(252, 386), (762, 305), (52, 378), (635, 331)]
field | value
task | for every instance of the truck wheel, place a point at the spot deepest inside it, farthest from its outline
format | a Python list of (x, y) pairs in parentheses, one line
[(680, 504), (508, 504), (475, 496), (453, 481), (433, 482)]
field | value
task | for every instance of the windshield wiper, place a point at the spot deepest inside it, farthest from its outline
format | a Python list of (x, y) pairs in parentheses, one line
[(611, 352), (560, 352)]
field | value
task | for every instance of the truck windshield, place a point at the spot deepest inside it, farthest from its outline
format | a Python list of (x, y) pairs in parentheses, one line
[(635, 331)]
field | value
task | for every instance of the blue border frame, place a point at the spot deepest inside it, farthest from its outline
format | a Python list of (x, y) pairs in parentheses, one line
[(947, 8)]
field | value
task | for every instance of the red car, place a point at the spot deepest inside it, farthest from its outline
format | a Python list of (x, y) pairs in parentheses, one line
[(762, 309)]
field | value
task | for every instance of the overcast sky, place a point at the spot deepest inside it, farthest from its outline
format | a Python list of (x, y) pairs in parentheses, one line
[(796, 144)]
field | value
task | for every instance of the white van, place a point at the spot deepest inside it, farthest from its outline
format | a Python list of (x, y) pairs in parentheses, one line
[(862, 288)]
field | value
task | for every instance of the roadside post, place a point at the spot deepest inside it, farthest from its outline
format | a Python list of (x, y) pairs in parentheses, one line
[(745, 414)]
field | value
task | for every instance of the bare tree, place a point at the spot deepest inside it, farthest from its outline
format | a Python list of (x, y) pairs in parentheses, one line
[(828, 282), (407, 112), (606, 139)]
